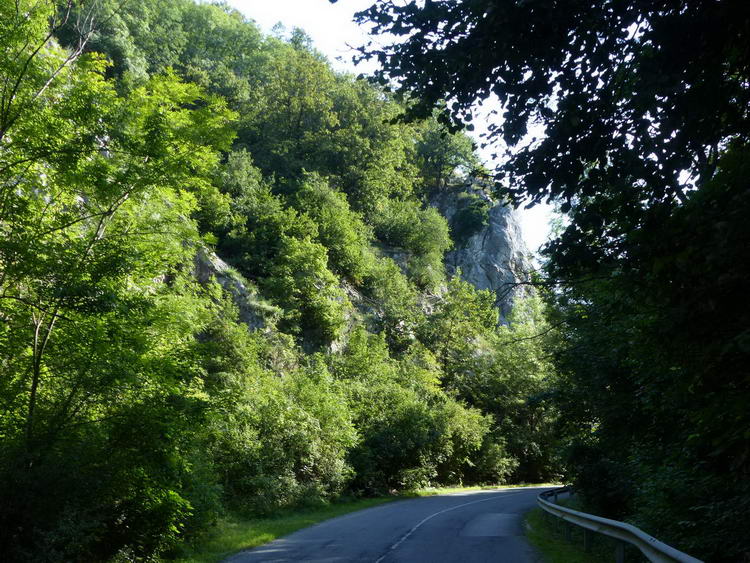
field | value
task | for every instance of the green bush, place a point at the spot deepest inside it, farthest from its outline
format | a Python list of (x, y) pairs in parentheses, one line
[(340, 229), (285, 441), (411, 439), (424, 233), (301, 283), (472, 215), (397, 299), (412, 434), (493, 464)]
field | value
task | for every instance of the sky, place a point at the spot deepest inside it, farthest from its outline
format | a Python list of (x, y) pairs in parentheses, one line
[(334, 33)]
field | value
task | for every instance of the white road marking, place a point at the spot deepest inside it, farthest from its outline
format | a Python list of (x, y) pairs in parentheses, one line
[(431, 516)]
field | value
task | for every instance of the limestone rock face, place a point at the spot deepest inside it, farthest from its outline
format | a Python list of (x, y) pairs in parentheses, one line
[(495, 257), (253, 311)]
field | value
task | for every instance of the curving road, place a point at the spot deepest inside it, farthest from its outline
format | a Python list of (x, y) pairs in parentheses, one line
[(471, 527)]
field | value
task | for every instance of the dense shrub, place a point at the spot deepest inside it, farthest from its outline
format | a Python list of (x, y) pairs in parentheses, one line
[(422, 232), (472, 216), (412, 434), (302, 284), (284, 443), (340, 230)]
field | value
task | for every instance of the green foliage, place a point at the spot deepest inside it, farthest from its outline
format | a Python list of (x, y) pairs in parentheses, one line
[(512, 381), (407, 440), (412, 434), (472, 216), (441, 154), (99, 384), (372, 156), (340, 230), (137, 410), (462, 319), (505, 372), (493, 463), (366, 358), (293, 111), (422, 232), (284, 442), (302, 284), (666, 343), (397, 300), (680, 103)]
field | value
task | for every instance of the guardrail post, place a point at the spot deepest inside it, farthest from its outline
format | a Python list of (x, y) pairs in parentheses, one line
[(568, 531), (620, 552), (586, 540)]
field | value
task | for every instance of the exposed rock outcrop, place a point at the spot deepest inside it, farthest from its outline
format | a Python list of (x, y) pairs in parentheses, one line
[(253, 311), (495, 256)]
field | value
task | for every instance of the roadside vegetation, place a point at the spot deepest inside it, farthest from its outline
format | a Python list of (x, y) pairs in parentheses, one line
[(223, 289), (235, 533), (550, 539)]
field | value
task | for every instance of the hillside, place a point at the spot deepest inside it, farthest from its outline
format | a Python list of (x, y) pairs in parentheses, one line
[(227, 286)]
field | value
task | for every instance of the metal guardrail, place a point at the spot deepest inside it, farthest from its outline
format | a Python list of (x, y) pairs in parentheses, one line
[(652, 548)]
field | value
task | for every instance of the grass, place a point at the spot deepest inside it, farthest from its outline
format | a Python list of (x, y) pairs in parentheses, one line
[(235, 533), (552, 544), (548, 536)]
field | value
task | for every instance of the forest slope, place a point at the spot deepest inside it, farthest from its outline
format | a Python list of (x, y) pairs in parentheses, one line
[(141, 397)]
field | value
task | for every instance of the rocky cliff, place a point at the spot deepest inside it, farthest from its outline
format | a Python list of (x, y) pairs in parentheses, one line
[(490, 251)]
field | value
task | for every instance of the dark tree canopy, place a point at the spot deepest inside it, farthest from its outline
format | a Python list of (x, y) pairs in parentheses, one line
[(631, 93)]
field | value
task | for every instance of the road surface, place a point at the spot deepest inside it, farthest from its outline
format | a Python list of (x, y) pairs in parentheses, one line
[(470, 527)]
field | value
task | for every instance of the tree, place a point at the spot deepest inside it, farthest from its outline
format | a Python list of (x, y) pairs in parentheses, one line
[(302, 284), (99, 313), (412, 434), (371, 156), (655, 371), (512, 377), (462, 320), (28, 32), (442, 152), (293, 112), (422, 232), (340, 229), (397, 300)]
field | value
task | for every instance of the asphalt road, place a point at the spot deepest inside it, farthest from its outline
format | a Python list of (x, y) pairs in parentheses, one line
[(471, 527)]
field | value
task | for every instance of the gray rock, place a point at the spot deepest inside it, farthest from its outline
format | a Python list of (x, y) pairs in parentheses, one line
[(400, 256), (253, 311), (495, 257)]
